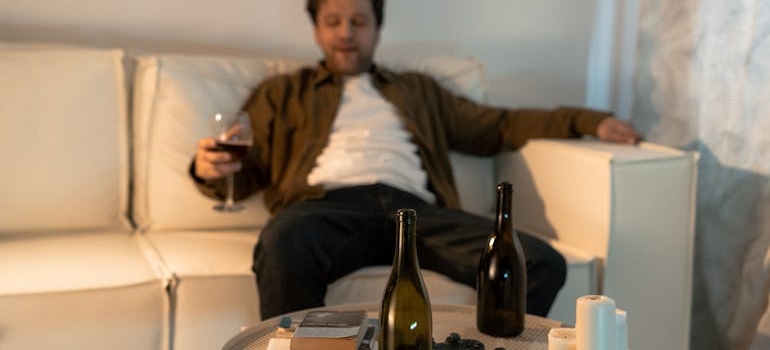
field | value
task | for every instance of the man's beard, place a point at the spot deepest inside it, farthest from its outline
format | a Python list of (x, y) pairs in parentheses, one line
[(340, 65)]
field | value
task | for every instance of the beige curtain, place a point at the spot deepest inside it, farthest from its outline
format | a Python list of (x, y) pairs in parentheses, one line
[(702, 82)]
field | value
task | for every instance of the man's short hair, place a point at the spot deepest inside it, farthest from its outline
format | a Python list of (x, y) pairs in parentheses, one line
[(377, 6)]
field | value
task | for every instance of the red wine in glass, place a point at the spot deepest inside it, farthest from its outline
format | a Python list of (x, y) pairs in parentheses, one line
[(236, 148)]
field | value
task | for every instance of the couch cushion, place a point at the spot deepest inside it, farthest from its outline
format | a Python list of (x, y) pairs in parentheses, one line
[(54, 287), (121, 318), (195, 254), (63, 127), (46, 264), (367, 285), (174, 97), (214, 293), (463, 75)]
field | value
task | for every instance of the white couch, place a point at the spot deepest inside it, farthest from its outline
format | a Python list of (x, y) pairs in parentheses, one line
[(105, 242)]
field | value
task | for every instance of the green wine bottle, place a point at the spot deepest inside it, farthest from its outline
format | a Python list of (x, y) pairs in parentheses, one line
[(405, 315), (501, 282)]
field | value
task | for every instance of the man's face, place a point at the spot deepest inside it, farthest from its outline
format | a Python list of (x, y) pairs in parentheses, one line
[(346, 31)]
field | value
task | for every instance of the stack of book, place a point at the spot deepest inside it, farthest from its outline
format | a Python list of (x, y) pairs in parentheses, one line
[(325, 330)]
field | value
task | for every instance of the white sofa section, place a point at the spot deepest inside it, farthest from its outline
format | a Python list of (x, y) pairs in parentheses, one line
[(73, 274), (106, 243)]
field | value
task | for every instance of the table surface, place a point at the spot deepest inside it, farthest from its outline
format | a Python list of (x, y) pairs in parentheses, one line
[(447, 319)]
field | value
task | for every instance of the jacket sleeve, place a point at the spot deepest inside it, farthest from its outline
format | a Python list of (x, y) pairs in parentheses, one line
[(483, 130)]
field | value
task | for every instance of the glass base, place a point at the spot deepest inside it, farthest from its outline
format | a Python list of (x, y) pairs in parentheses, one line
[(228, 208)]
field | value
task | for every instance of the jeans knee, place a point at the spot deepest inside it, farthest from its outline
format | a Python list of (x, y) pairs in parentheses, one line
[(550, 268), (557, 266)]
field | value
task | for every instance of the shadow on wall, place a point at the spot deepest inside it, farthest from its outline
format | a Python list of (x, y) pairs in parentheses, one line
[(730, 289), (731, 204)]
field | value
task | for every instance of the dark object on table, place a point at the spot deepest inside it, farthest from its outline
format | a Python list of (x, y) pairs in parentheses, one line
[(454, 342), (502, 275)]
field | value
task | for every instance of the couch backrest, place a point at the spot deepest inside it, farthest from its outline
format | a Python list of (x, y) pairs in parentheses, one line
[(63, 140), (174, 95)]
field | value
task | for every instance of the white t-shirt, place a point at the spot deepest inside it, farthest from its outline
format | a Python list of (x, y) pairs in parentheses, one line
[(369, 144)]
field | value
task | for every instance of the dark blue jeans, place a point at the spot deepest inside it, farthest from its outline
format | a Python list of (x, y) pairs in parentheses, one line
[(312, 243)]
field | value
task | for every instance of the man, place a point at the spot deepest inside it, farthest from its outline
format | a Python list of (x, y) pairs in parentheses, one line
[(339, 147)]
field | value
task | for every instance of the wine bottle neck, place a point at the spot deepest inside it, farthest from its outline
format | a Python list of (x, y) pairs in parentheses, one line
[(406, 244), (407, 252), (505, 230)]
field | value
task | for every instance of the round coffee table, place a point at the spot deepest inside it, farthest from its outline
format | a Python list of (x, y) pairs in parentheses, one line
[(447, 319)]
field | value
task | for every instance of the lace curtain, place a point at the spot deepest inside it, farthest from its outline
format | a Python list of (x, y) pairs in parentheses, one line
[(702, 82)]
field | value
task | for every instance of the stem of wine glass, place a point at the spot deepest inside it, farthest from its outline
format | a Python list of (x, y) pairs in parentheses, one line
[(229, 202)]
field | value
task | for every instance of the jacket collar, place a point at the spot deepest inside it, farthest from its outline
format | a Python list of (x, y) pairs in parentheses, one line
[(324, 75)]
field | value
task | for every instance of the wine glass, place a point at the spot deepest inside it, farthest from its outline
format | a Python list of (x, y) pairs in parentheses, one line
[(232, 132)]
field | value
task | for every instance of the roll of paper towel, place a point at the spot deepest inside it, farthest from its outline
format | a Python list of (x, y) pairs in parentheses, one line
[(562, 339), (595, 325)]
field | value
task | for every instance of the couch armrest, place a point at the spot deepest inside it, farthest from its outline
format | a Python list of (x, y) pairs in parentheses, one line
[(630, 206)]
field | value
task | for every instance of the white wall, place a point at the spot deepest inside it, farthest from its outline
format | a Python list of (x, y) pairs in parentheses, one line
[(535, 52)]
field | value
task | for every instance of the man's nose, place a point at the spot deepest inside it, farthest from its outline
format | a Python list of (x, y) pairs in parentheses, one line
[(346, 30)]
